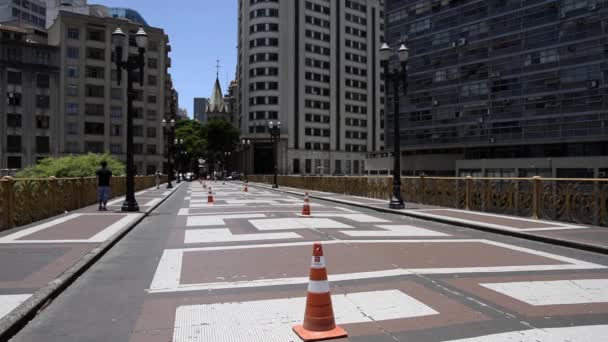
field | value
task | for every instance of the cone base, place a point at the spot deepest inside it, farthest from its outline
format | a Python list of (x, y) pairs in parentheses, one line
[(307, 335)]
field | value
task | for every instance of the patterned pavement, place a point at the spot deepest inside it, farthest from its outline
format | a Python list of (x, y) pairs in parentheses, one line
[(35, 256), (237, 270)]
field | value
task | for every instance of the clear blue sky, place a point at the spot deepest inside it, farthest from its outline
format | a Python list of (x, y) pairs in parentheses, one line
[(200, 31)]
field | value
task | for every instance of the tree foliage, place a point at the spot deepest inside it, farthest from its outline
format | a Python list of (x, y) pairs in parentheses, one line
[(191, 131), (221, 137), (72, 166)]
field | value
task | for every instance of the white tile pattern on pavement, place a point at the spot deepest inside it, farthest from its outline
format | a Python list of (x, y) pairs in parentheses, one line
[(272, 320), (575, 291), (9, 302), (224, 235)]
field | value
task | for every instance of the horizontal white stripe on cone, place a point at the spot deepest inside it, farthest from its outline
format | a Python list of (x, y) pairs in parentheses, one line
[(318, 286), (317, 264)]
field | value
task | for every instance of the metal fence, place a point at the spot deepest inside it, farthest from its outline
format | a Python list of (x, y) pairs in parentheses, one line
[(583, 201), (24, 201)]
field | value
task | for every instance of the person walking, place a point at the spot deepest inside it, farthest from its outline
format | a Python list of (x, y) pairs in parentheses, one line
[(103, 182)]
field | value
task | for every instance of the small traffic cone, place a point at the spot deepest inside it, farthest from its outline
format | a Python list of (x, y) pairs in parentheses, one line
[(306, 207), (245, 190), (319, 322), (210, 196)]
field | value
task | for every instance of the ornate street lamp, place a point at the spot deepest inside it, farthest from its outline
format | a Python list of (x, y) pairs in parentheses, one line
[(178, 159), (132, 64), (246, 143), (398, 78), (275, 134), (170, 129)]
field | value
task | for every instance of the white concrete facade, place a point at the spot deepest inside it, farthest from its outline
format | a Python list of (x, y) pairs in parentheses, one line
[(312, 64)]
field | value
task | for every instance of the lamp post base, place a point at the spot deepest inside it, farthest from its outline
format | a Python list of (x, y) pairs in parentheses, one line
[(396, 203), (169, 186), (130, 206), (275, 186)]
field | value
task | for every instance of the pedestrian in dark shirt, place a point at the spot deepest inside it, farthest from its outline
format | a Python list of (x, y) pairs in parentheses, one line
[(103, 182)]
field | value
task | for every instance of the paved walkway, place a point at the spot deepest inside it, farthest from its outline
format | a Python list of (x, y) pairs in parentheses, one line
[(562, 233), (37, 259), (237, 270)]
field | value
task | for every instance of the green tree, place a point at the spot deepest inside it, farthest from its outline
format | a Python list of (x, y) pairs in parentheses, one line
[(195, 144), (72, 166), (221, 137)]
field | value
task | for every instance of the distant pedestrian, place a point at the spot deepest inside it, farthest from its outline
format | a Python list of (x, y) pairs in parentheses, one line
[(103, 182)]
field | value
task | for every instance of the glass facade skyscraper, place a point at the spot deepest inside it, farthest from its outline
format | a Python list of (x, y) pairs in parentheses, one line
[(496, 79)]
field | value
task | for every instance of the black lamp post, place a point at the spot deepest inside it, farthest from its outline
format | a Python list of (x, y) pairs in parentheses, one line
[(132, 64), (170, 128), (275, 134), (398, 78), (226, 157), (246, 143), (178, 157)]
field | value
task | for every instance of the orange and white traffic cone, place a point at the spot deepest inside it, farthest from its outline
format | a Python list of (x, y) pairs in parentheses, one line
[(245, 190), (210, 196), (319, 322), (306, 207)]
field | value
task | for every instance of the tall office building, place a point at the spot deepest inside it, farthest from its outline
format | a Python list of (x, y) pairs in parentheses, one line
[(93, 107), (29, 88), (200, 106), (503, 88), (23, 12), (313, 66)]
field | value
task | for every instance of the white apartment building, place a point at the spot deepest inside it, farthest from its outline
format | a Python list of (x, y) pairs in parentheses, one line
[(312, 65)]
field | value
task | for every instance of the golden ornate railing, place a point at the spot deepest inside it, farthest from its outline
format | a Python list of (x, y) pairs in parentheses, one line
[(24, 201), (583, 201)]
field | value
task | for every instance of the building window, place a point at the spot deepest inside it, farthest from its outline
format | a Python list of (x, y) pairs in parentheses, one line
[(14, 99), (152, 63), (71, 108), (93, 146), (95, 72), (308, 166), (116, 93), (94, 128), (151, 132), (151, 99), (152, 80), (43, 81), (94, 109), (13, 120), (13, 162), (13, 143), (138, 131), (43, 145), (72, 71), (98, 54), (73, 52), (115, 148), (95, 90), (72, 90), (95, 35), (43, 121), (151, 149), (43, 101), (13, 77), (115, 130), (116, 112), (73, 33), (296, 165), (71, 128)]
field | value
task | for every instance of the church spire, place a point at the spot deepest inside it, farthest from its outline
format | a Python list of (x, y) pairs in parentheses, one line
[(217, 72)]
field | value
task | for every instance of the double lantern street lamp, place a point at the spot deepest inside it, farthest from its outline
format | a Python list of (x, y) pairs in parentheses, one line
[(275, 134), (246, 143), (131, 65), (179, 144), (226, 157), (398, 78), (170, 128)]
